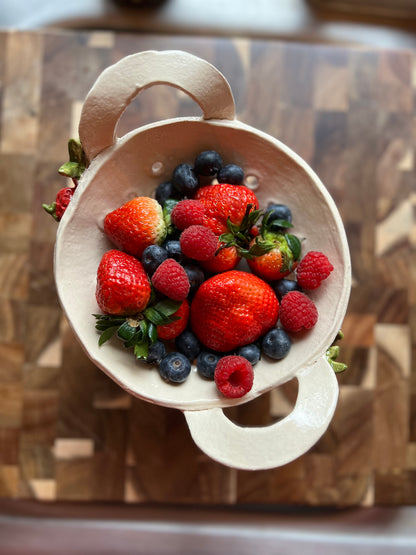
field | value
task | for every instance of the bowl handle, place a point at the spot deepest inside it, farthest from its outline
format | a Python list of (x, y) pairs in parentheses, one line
[(116, 87), (259, 448)]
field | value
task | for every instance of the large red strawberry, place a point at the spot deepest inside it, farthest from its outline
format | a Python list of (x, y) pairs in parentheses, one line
[(123, 287), (232, 309), (135, 225), (223, 201)]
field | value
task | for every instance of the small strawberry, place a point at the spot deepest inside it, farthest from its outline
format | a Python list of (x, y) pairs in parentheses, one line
[(171, 280), (313, 269), (297, 312), (234, 376), (57, 208), (282, 250), (123, 287), (226, 258), (180, 318), (232, 309), (135, 225)]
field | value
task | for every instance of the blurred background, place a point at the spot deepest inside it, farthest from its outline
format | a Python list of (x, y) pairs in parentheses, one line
[(384, 23)]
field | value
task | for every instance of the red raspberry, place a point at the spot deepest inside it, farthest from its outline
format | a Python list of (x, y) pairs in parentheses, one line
[(187, 212), (297, 312), (313, 269), (234, 376), (171, 280), (198, 242)]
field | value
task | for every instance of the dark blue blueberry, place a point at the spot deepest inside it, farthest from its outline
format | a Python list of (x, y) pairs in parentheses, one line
[(279, 212), (283, 286), (152, 258), (175, 367), (185, 180), (208, 162), (188, 344), (157, 351), (206, 363), (231, 173), (250, 352), (196, 277), (164, 191), (173, 248), (276, 344)]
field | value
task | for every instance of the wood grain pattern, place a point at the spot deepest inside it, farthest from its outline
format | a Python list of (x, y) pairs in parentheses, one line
[(67, 432)]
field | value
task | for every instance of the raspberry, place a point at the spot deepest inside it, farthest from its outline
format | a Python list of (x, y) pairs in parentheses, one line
[(234, 376), (171, 280), (187, 212), (313, 269), (198, 242), (297, 312)]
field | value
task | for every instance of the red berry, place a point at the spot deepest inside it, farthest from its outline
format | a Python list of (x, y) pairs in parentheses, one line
[(122, 284), (167, 332), (62, 200), (313, 269), (198, 242), (234, 376), (297, 312), (187, 212), (171, 279)]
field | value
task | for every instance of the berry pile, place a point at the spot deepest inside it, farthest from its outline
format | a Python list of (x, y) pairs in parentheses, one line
[(172, 288)]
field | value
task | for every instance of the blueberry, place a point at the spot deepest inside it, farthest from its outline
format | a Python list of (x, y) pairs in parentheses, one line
[(276, 344), (157, 351), (279, 212), (163, 192), (184, 179), (250, 352), (208, 162), (283, 286), (196, 277), (188, 344), (206, 363), (173, 248), (231, 174), (152, 257), (175, 367)]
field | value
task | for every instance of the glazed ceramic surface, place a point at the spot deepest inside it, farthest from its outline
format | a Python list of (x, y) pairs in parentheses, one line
[(133, 165)]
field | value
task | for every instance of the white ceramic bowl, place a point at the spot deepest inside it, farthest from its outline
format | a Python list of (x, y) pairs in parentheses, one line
[(135, 164)]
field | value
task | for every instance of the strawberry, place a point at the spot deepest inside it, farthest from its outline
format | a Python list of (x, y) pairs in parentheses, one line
[(180, 318), (232, 309), (57, 208), (225, 259), (135, 225), (224, 201), (123, 287), (277, 262)]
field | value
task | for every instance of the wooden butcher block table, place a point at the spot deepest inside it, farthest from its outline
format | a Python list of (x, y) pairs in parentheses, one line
[(69, 433)]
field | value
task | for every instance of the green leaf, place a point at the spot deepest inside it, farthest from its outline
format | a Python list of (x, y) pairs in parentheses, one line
[(277, 225), (107, 334), (72, 169), (75, 151), (51, 209), (126, 331), (141, 350), (167, 307), (294, 244), (154, 316), (152, 333)]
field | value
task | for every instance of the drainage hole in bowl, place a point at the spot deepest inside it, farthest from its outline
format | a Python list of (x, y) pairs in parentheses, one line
[(266, 409), (251, 181), (157, 168)]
